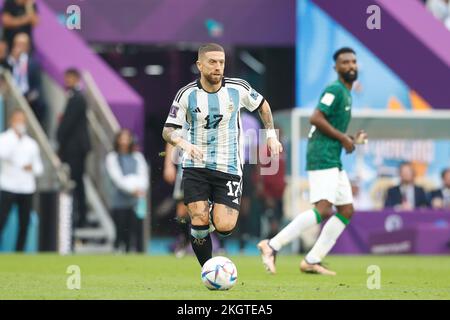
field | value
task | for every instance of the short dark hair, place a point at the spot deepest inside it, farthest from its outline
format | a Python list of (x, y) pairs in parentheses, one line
[(444, 172), (132, 147), (208, 47), (73, 72), (341, 51), (404, 164)]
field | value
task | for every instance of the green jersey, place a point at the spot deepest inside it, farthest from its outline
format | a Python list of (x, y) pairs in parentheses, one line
[(325, 152)]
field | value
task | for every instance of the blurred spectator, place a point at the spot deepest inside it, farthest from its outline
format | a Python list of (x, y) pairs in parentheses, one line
[(173, 174), (21, 164), (127, 169), (406, 196), (4, 54), (361, 200), (19, 16), (440, 198), (270, 189), (441, 10), (73, 140), (27, 74)]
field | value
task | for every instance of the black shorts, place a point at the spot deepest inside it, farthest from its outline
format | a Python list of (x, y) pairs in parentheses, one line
[(201, 184)]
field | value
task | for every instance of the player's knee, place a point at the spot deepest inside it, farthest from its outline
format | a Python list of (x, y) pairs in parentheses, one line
[(325, 212), (324, 208), (347, 213), (225, 228)]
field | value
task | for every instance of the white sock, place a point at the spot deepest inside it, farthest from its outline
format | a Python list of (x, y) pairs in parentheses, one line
[(330, 232), (293, 230)]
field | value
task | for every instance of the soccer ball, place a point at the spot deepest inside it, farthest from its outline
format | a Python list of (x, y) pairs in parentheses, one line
[(219, 273)]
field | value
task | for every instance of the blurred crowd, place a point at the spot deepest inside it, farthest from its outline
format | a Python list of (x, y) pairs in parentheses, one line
[(20, 154), (407, 195)]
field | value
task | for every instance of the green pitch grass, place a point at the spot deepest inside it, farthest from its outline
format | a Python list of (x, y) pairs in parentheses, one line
[(155, 277)]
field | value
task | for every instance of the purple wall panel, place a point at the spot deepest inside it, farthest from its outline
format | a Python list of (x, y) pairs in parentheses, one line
[(411, 42), (249, 22)]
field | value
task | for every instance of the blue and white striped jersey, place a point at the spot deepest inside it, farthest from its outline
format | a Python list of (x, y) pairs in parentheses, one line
[(214, 122)]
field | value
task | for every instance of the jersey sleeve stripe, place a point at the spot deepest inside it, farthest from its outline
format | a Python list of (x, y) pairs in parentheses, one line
[(183, 90), (172, 125), (237, 83), (239, 80)]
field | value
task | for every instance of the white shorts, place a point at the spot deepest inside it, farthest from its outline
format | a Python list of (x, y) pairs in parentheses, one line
[(330, 184)]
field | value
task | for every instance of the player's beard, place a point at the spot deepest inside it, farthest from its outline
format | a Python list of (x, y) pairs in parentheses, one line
[(350, 77), (212, 79)]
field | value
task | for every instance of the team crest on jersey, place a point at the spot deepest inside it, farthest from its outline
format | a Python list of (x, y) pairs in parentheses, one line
[(173, 111), (231, 106), (254, 94)]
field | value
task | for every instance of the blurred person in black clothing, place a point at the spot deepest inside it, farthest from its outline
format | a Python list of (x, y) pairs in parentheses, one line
[(18, 16), (74, 142), (440, 198), (406, 196), (26, 73)]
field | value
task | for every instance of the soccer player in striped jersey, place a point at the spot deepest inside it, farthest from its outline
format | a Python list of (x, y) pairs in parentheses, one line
[(212, 164)]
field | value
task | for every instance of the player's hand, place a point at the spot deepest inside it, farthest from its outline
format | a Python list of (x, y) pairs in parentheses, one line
[(139, 193), (361, 137), (170, 173), (348, 144), (274, 146), (193, 151)]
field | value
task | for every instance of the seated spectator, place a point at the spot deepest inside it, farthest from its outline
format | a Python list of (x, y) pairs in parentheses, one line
[(441, 10), (19, 16), (406, 196), (127, 169), (440, 198), (21, 164), (27, 74)]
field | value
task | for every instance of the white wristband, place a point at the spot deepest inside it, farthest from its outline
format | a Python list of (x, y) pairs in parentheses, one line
[(271, 133)]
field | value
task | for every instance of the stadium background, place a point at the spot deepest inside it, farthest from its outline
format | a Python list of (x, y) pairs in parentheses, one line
[(138, 53)]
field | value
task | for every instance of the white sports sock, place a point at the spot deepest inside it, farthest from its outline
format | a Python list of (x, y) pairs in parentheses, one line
[(293, 230), (330, 232)]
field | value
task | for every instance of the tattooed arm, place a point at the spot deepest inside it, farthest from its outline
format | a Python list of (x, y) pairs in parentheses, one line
[(173, 136), (265, 114)]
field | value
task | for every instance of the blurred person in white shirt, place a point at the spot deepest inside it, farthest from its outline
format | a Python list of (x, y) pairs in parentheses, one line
[(128, 172), (20, 165)]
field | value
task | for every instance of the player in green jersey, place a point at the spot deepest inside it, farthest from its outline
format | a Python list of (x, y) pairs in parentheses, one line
[(328, 182)]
